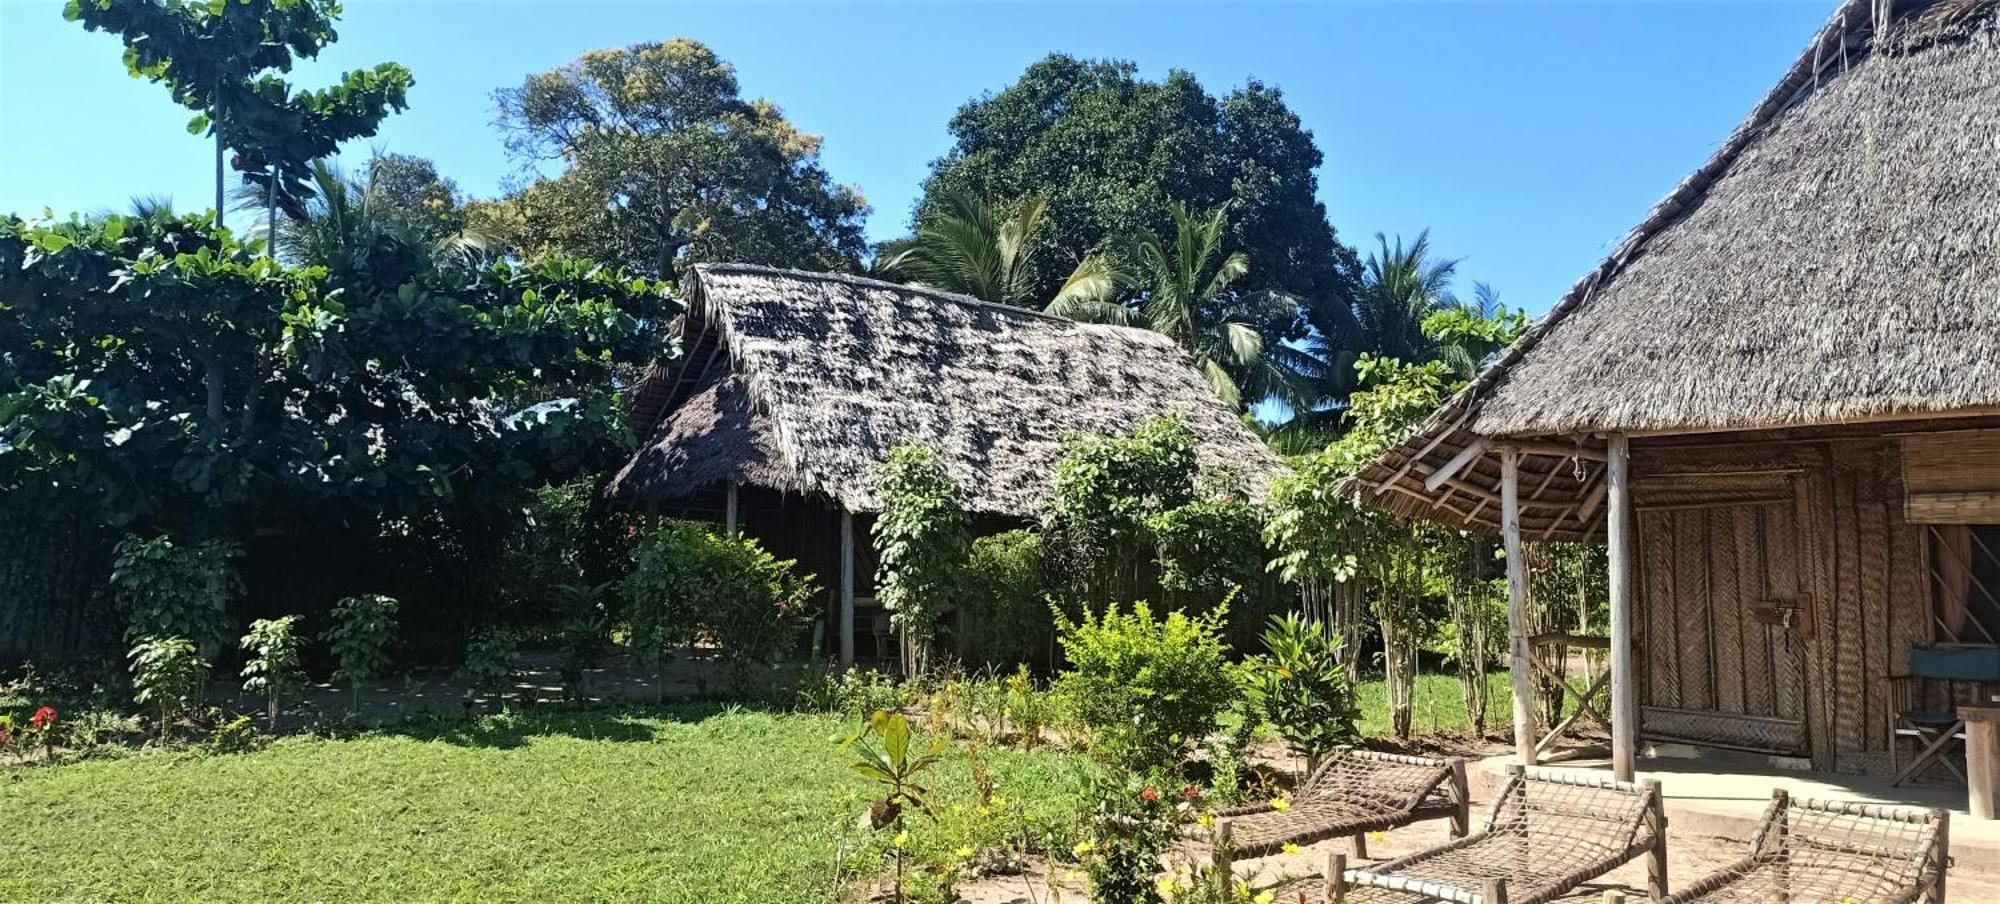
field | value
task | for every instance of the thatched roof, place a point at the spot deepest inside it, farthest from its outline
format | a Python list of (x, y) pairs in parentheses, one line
[(1837, 258), (803, 382)]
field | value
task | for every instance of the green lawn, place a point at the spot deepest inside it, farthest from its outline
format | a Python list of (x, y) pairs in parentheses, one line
[(685, 804), (1439, 705)]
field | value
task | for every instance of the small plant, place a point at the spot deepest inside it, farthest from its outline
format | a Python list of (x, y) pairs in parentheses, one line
[(892, 763), (235, 735), (1027, 707), (489, 661), (1148, 688), (167, 674), (42, 730), (276, 666), (584, 629), (1135, 817), (363, 627), (855, 692), (1300, 689)]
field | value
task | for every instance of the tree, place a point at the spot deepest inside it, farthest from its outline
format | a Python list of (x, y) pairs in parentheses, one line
[(215, 57), (666, 162), (923, 537), (1109, 150), (162, 373), (397, 221), (275, 663), (1187, 290), (363, 628), (970, 247)]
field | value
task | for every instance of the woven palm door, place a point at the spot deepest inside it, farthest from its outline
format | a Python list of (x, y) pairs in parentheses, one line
[(1723, 625)]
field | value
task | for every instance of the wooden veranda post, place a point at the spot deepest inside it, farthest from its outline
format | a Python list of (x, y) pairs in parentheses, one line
[(1517, 604), (846, 588), (1618, 536), (729, 510)]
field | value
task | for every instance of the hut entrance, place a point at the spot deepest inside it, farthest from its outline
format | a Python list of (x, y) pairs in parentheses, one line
[(1724, 625)]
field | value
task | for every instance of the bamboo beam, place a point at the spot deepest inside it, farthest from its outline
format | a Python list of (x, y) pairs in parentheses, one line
[(1517, 605), (1556, 450), (1457, 463), (1619, 530), (846, 588), (1411, 462)]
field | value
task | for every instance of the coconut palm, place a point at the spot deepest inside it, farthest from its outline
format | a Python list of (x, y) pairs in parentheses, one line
[(1400, 287), (1185, 290), (971, 247), (358, 229)]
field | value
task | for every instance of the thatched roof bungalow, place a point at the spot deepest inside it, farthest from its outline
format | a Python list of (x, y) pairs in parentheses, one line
[(793, 386), (1778, 400)]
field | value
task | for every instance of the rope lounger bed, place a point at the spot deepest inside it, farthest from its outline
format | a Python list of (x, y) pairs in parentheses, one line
[(1355, 792), (1830, 851), (1545, 836)]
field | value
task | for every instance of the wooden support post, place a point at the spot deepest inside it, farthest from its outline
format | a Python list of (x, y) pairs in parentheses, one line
[(1493, 892), (1361, 845), (1982, 759), (729, 510), (1942, 850), (1336, 878), (1780, 847), (846, 588), (1461, 799), (1656, 856), (1619, 531), (1517, 604)]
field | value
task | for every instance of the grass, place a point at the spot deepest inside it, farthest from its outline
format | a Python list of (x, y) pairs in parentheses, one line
[(1438, 705), (680, 803)]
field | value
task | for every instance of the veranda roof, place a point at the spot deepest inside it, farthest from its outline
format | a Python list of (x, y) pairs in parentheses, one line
[(1837, 258), (803, 382)]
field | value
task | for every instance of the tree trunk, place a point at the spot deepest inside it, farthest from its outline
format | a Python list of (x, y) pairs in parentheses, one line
[(215, 124)]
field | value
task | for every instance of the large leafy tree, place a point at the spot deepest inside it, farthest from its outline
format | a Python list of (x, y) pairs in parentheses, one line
[(1108, 150), (221, 58), (663, 161), (161, 372), (396, 220)]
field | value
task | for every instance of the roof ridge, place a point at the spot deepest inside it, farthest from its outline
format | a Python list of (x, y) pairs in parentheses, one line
[(1799, 81), (870, 282)]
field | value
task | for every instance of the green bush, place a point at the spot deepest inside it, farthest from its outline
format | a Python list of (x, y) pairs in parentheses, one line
[(1148, 688), (275, 666), (1213, 549), (688, 582), (1299, 688), (363, 627), (167, 674), (922, 538), (1007, 609), (167, 589), (489, 660)]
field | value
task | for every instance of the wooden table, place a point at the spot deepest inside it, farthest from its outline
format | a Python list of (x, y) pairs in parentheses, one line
[(1982, 758)]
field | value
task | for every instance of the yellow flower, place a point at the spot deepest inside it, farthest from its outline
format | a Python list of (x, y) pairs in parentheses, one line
[(1375, 836), (1281, 804), (1083, 847), (1165, 886), (1206, 820), (964, 852), (999, 801), (1290, 848), (1265, 897), (901, 840)]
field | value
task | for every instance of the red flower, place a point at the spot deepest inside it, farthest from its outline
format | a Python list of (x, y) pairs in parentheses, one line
[(44, 718), (1149, 795), (1191, 792)]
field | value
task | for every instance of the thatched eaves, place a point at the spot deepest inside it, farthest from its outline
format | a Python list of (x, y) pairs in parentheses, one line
[(1838, 258), (803, 382)]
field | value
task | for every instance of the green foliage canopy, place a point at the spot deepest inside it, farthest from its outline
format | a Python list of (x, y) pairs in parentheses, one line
[(922, 538), (158, 371), (1110, 149), (665, 161)]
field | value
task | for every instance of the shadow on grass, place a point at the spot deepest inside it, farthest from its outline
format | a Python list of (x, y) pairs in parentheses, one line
[(623, 722)]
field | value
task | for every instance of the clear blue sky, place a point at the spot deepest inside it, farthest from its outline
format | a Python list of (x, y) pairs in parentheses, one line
[(1527, 137)]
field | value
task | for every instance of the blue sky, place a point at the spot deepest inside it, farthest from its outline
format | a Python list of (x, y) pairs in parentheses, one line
[(1528, 137)]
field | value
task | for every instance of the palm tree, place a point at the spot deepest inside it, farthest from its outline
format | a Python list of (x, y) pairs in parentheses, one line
[(972, 248), (356, 229), (1401, 286), (1184, 287)]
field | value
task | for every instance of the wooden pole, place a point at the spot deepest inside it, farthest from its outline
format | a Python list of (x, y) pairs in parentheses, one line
[(1619, 535), (846, 588), (729, 510), (1517, 604)]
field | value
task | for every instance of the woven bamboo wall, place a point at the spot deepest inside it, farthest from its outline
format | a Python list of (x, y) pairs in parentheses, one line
[(1779, 584)]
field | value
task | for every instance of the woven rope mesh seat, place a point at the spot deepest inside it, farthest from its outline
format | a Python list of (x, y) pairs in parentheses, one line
[(1814, 851), (1545, 836), (1352, 793)]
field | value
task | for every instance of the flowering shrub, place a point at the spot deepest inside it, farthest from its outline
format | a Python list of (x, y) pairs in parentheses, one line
[(1134, 820)]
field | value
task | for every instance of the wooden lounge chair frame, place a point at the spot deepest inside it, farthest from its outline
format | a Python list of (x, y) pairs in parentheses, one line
[(1546, 835), (1835, 851), (1353, 793)]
